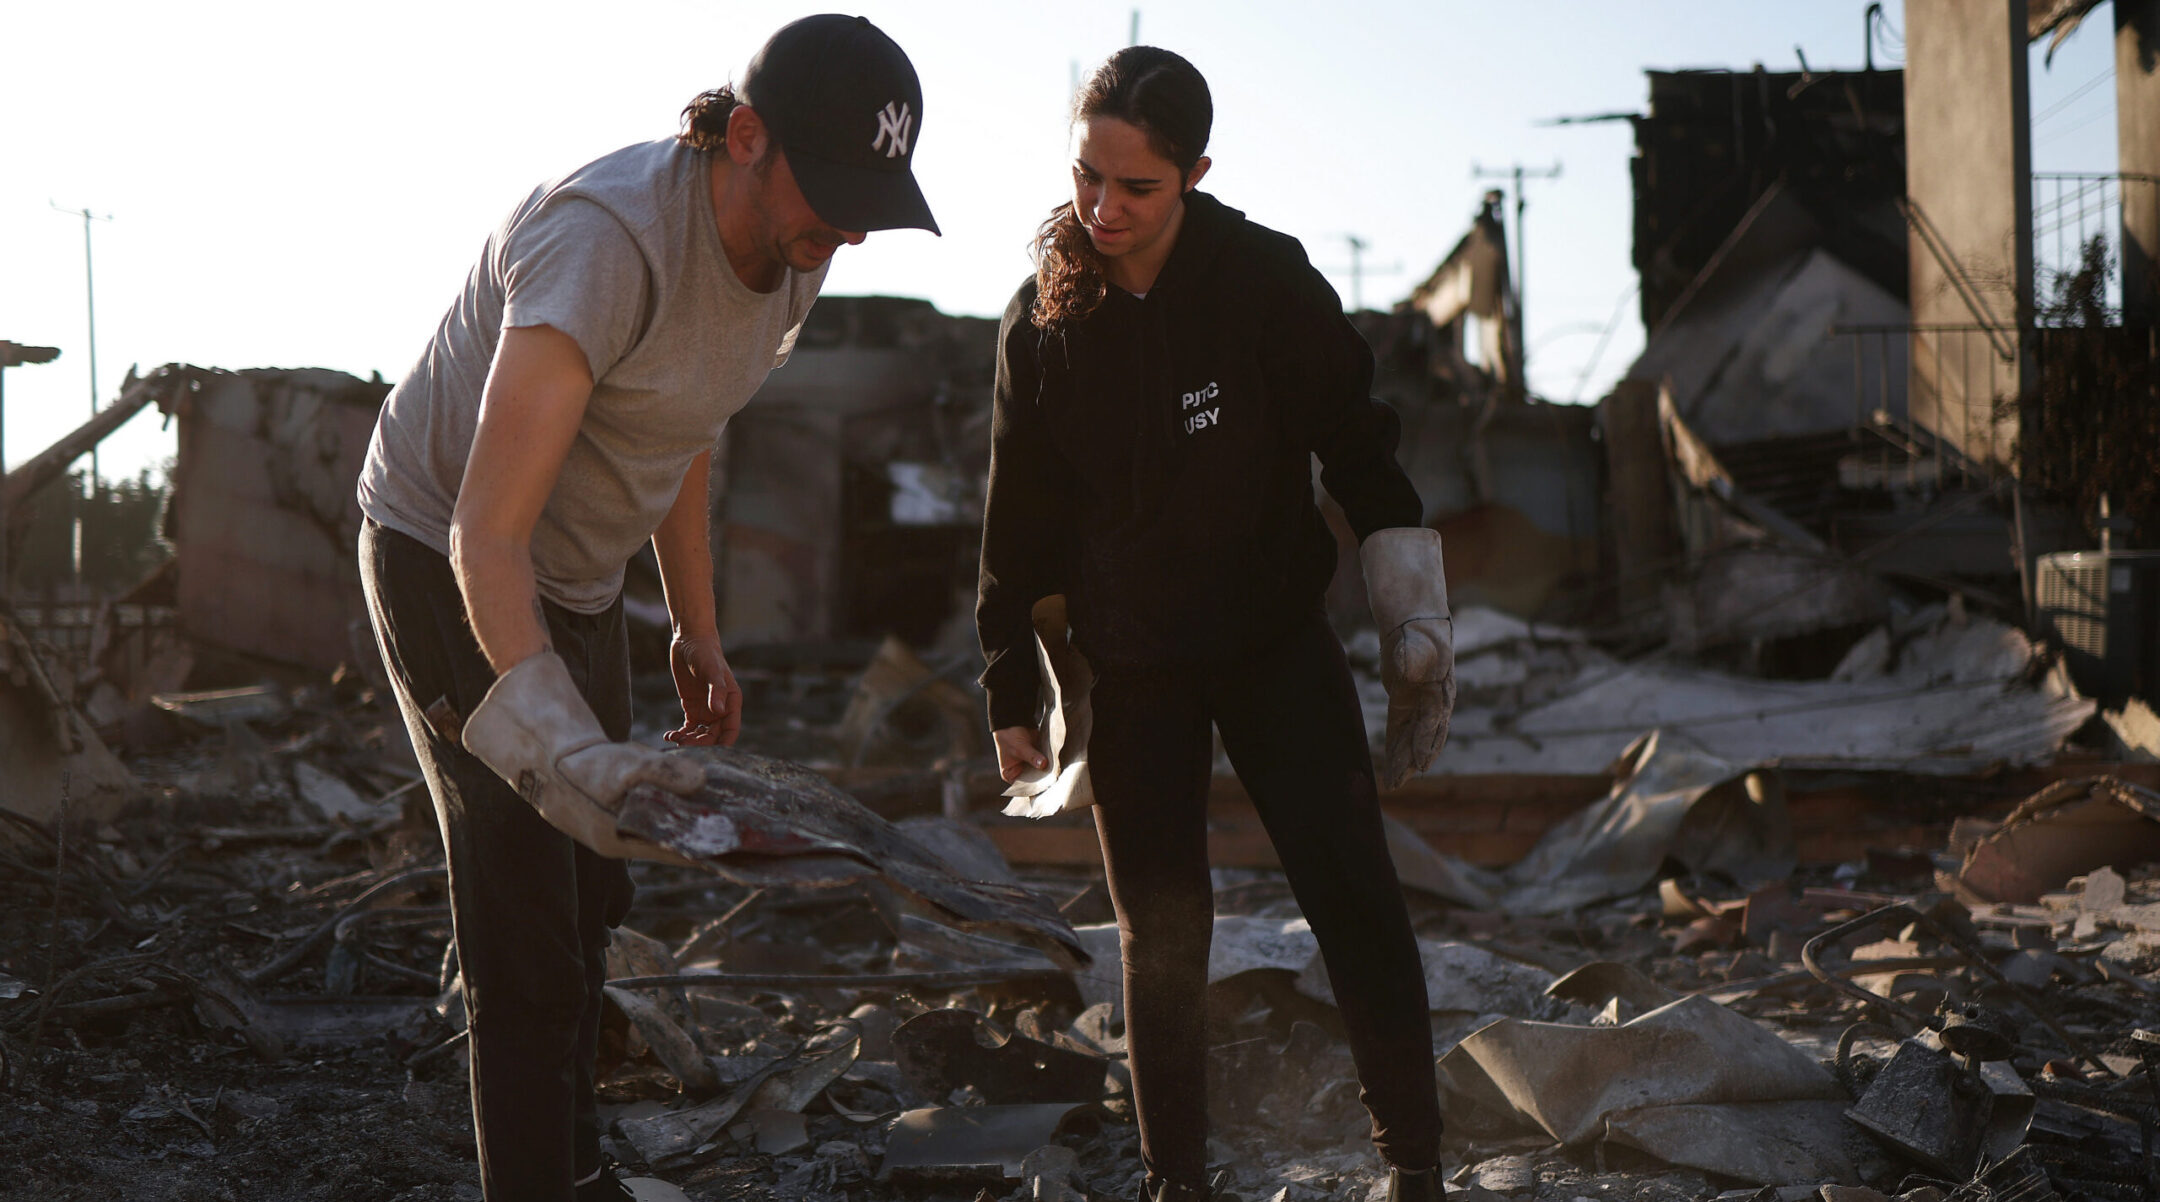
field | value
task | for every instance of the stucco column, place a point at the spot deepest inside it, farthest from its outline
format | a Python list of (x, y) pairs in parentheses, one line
[(1968, 180), (2137, 125)]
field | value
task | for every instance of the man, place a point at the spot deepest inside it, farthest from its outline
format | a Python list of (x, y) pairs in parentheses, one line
[(564, 413)]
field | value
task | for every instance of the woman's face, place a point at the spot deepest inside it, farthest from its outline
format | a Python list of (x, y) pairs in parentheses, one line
[(1127, 196)]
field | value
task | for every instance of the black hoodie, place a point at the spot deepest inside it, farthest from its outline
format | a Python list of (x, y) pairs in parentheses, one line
[(1153, 461)]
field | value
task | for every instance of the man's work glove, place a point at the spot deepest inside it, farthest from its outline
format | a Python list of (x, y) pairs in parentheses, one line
[(1407, 586), (536, 732)]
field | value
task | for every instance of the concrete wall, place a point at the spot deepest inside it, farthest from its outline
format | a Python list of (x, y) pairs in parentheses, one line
[(264, 520), (1968, 180), (2137, 116), (777, 530), (1527, 542)]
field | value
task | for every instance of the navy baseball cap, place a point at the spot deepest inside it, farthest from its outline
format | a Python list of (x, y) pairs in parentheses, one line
[(842, 100)]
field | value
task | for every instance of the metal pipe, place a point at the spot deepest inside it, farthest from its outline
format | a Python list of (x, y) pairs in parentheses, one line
[(1811, 952)]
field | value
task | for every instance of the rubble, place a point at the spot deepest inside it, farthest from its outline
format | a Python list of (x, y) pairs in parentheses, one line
[(972, 1142), (1724, 1074), (2061, 832), (56, 762), (1538, 699), (1665, 802), (877, 1006), (874, 986), (943, 1051)]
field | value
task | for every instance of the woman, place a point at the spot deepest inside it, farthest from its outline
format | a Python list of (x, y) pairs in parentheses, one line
[(1163, 382)]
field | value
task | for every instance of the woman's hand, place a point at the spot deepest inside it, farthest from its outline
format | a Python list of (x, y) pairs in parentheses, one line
[(711, 700), (1017, 752)]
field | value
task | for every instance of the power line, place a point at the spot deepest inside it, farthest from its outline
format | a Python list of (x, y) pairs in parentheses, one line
[(2059, 134), (1619, 307), (2105, 75)]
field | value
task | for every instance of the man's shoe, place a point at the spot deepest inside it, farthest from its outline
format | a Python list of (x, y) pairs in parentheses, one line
[(1406, 1186)]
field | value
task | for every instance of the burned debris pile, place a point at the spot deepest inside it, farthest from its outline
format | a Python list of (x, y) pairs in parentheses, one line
[(241, 983)]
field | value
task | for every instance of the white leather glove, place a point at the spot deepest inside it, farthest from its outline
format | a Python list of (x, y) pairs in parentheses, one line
[(537, 733), (1407, 585)]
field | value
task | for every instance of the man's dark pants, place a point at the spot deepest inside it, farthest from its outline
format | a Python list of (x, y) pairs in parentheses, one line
[(1290, 721), (530, 907)]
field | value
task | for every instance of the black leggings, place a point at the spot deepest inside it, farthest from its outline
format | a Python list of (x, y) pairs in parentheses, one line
[(1290, 721), (530, 908)]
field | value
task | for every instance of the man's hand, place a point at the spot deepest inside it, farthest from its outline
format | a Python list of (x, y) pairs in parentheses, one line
[(1017, 752), (711, 700)]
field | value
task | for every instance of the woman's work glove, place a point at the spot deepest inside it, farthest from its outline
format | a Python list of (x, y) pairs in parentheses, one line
[(537, 733), (1407, 586)]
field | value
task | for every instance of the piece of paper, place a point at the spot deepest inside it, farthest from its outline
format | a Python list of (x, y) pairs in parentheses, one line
[(1066, 679)]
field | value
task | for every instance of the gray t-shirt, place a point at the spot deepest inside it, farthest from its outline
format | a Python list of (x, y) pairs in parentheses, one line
[(623, 256)]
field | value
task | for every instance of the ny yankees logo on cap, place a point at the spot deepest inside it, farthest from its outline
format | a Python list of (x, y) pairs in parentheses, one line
[(845, 106), (894, 123)]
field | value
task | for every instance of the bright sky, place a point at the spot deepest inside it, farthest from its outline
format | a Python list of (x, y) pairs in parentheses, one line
[(304, 185)]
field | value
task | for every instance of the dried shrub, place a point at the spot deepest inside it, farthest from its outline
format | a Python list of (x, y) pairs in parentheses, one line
[(2094, 426)]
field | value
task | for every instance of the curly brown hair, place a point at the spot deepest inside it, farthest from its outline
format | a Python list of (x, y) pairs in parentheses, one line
[(705, 118), (1164, 96)]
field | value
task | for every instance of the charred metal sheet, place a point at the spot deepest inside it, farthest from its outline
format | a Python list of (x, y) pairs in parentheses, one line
[(278, 1025), (964, 1142), (1925, 1106), (788, 1084), (943, 1050), (54, 760), (1600, 982), (756, 815)]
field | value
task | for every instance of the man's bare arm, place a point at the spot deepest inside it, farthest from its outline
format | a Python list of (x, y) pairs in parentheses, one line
[(529, 415), (683, 545), (711, 698)]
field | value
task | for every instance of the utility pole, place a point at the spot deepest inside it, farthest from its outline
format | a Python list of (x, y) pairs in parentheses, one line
[(12, 354), (1520, 275), (90, 303), (1358, 270), (1134, 38)]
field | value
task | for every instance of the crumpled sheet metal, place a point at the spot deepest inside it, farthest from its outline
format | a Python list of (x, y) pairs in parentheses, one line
[(2065, 830), (1577, 1084), (676, 1049), (786, 1084), (939, 1051), (1957, 701), (1458, 976), (972, 1141), (1668, 800), (1600, 982), (1763, 1143), (767, 822)]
